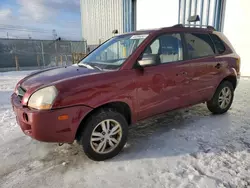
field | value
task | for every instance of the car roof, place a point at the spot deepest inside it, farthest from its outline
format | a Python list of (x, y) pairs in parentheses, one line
[(175, 28)]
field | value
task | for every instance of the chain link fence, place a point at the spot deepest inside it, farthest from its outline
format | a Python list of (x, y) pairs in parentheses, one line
[(27, 54)]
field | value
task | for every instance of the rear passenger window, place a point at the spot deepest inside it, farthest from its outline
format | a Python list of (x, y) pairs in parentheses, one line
[(199, 45), (218, 44)]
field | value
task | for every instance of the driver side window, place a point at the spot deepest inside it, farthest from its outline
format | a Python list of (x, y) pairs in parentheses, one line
[(155, 46), (167, 47)]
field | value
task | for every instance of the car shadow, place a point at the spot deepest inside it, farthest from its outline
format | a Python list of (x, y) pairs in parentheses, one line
[(180, 132)]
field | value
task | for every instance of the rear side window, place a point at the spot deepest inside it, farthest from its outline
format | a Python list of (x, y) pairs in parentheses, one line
[(218, 44), (199, 45)]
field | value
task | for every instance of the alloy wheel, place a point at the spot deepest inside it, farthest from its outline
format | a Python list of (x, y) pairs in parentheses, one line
[(225, 97), (106, 136)]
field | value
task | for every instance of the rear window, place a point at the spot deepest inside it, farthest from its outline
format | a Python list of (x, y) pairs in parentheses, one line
[(218, 44), (199, 45)]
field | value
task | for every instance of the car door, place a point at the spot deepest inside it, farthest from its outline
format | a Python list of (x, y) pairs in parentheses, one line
[(220, 66), (203, 63), (161, 87)]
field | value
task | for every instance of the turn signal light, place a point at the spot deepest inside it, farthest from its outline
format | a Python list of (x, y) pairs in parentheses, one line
[(63, 117)]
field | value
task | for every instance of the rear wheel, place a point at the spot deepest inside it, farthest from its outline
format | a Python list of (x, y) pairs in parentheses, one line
[(222, 99), (105, 135)]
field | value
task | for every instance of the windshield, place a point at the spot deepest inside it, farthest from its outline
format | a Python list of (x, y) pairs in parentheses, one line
[(113, 53)]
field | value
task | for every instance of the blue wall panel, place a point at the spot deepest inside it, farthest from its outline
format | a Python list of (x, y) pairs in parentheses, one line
[(128, 16)]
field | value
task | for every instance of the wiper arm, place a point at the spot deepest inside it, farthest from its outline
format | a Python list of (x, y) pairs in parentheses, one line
[(85, 65), (98, 68), (89, 66)]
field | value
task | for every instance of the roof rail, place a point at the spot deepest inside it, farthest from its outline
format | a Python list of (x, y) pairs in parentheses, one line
[(197, 26), (178, 25), (211, 28)]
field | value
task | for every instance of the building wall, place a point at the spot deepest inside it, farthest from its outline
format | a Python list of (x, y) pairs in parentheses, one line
[(156, 13), (210, 12), (100, 18), (237, 29)]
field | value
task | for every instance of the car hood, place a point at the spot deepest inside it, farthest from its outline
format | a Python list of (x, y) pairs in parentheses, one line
[(49, 76)]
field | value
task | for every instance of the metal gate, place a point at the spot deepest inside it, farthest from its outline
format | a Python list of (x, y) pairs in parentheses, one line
[(211, 12)]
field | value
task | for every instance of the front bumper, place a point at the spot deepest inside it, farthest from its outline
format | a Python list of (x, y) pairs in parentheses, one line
[(45, 126)]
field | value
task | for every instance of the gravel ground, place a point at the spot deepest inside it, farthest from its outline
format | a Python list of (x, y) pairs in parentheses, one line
[(183, 148)]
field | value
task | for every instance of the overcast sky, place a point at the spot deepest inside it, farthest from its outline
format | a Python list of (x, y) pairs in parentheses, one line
[(37, 19)]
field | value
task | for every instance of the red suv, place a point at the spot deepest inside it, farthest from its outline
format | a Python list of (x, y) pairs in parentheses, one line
[(128, 78)]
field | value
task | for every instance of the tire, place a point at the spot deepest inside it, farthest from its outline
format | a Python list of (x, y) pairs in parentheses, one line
[(215, 104), (93, 131)]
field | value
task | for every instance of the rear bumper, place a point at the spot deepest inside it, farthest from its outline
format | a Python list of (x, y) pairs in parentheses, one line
[(45, 126)]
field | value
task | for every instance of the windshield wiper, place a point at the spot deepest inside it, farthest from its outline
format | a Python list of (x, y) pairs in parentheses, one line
[(88, 66), (98, 68), (85, 65)]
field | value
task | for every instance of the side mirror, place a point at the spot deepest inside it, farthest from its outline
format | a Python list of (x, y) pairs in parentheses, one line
[(149, 60)]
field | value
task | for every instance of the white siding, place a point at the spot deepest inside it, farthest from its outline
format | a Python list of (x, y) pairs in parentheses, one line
[(237, 29), (100, 18), (156, 13)]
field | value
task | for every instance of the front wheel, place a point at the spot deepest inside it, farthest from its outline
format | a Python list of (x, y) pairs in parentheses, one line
[(222, 99), (105, 135)]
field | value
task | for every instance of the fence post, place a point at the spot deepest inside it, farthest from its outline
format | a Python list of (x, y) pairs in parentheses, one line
[(66, 60), (43, 55), (38, 60), (17, 63), (61, 58), (56, 54), (73, 58), (71, 49), (72, 53), (56, 60)]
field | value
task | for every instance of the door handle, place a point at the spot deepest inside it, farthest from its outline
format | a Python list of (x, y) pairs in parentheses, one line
[(218, 66), (184, 73), (181, 73)]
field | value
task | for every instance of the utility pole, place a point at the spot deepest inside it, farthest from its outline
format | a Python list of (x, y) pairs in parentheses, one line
[(7, 35), (16, 60), (54, 34)]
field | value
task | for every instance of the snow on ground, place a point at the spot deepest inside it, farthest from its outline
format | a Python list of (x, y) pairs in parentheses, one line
[(184, 148)]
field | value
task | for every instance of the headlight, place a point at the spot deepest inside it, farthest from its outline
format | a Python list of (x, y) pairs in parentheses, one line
[(43, 98)]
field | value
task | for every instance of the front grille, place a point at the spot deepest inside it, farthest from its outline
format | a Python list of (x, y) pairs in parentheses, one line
[(20, 92)]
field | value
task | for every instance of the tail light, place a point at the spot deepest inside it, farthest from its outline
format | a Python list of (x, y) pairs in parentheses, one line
[(238, 65)]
